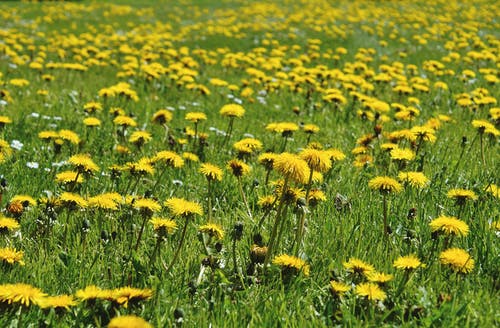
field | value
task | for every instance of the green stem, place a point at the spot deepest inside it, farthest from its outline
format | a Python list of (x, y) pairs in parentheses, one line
[(178, 250), (140, 232), (245, 202), (302, 221), (277, 222), (209, 196), (386, 228)]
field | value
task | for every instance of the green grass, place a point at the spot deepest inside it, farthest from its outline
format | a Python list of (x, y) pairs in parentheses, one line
[(67, 249)]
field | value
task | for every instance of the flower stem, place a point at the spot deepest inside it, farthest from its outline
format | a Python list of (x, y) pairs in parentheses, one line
[(245, 202), (386, 228), (300, 227), (277, 222), (178, 250)]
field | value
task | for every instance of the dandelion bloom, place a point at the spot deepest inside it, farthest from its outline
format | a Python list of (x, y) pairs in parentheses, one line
[(292, 167), (146, 204), (213, 230), (92, 293), (494, 190), (310, 128), (461, 195), (316, 196), (11, 256), (291, 262), (126, 295), (182, 207), (414, 179), (162, 116), (190, 157), (91, 121), (8, 224), (370, 291), (195, 117), (238, 168), (335, 155), (285, 128), (128, 321), (318, 160), (68, 177), (170, 158), (267, 159), (140, 137), (232, 110), (355, 265), (449, 225), (248, 145), (163, 226), (402, 154), (108, 201), (124, 121), (20, 293), (424, 133), (72, 199), (385, 184), (57, 302), (83, 163), (339, 288), (408, 262), (457, 259), (379, 277), (211, 172)]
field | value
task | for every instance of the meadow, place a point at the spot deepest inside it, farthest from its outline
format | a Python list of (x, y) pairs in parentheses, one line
[(262, 164)]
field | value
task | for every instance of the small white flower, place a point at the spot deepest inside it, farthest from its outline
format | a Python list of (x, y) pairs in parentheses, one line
[(16, 144), (32, 165), (35, 115)]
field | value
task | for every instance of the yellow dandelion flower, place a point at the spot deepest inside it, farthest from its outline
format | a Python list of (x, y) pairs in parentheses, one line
[(163, 225), (449, 225), (318, 160), (129, 321), (92, 121), (385, 184), (190, 157), (92, 107), (170, 158), (248, 145), (238, 168), (72, 199), (69, 177), (20, 293), (11, 256), (370, 291), (335, 155), (8, 224), (232, 110), (292, 167), (402, 154), (162, 116), (70, 136), (24, 199), (92, 293), (358, 266), (213, 230), (139, 138), (141, 167), (83, 163), (408, 262), (108, 201), (414, 179), (339, 288), (183, 208), (195, 117), (124, 121), (211, 172), (461, 195), (146, 204), (457, 259), (57, 302), (310, 128), (126, 295), (494, 190), (288, 262), (379, 277)]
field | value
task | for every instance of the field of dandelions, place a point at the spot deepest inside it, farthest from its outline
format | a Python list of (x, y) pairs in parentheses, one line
[(264, 164)]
